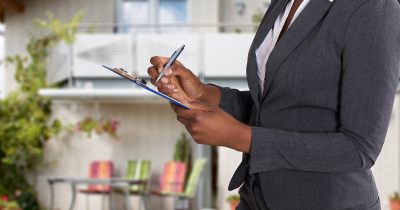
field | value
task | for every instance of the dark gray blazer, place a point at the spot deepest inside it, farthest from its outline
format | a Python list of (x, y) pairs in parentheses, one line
[(321, 122)]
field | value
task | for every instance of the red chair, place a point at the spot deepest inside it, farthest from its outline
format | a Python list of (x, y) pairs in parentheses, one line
[(99, 170)]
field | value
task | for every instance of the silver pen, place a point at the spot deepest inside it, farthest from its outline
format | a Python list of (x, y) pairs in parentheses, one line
[(170, 62)]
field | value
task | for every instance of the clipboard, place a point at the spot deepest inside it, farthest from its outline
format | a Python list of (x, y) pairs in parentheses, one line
[(142, 83)]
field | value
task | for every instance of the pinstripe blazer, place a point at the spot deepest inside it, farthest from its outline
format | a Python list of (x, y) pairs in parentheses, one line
[(321, 121)]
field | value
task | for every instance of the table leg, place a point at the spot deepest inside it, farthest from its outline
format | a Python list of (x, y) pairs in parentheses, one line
[(111, 199), (103, 206), (51, 185), (73, 199), (146, 202), (127, 195)]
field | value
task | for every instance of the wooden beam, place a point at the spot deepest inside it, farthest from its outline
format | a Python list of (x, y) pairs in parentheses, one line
[(13, 5)]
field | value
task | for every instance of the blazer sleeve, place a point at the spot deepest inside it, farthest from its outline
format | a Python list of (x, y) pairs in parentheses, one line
[(370, 76), (236, 103)]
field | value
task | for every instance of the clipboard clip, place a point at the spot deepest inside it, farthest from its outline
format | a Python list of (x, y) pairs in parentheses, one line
[(125, 74)]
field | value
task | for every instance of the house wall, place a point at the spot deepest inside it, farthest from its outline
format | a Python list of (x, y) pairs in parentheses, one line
[(228, 10), (69, 155), (20, 27), (147, 132), (204, 11)]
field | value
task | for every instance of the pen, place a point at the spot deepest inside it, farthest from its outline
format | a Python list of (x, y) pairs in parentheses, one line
[(170, 62)]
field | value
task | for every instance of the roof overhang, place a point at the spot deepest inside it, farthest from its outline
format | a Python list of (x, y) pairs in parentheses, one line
[(131, 95)]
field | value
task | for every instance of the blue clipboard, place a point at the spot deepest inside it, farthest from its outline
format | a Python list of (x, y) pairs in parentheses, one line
[(141, 83)]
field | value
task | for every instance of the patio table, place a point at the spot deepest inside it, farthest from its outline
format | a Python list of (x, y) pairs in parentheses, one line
[(113, 182)]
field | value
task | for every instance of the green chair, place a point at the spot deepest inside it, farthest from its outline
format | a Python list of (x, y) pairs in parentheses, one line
[(182, 200), (138, 170)]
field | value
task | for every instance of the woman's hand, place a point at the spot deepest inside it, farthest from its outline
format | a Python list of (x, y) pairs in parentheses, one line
[(212, 126), (181, 84)]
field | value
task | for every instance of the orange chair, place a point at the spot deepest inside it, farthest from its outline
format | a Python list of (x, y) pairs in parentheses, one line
[(173, 183), (173, 178)]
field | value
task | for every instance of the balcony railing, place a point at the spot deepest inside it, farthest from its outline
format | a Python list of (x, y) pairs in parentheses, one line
[(211, 54)]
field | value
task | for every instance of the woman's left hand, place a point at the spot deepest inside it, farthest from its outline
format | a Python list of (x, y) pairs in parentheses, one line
[(212, 126)]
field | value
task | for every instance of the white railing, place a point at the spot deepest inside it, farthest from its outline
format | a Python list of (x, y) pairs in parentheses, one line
[(209, 54)]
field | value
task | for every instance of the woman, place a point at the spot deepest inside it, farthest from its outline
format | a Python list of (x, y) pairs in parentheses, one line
[(322, 76)]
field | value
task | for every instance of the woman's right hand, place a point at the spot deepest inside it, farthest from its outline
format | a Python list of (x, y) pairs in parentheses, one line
[(181, 84)]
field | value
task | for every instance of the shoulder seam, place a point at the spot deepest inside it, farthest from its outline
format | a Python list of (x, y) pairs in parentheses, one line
[(351, 19)]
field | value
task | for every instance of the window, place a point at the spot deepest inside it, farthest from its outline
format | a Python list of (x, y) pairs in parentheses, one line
[(136, 12), (151, 12), (172, 11)]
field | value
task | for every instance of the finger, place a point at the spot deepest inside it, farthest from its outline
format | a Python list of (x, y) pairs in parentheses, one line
[(180, 71), (168, 91), (197, 105), (152, 72), (168, 87), (158, 85), (165, 80), (159, 62), (183, 120), (184, 113)]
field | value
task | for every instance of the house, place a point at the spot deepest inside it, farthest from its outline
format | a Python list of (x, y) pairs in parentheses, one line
[(126, 33)]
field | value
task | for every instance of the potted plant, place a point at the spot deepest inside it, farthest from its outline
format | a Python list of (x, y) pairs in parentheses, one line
[(5, 204), (90, 125), (395, 201), (233, 201)]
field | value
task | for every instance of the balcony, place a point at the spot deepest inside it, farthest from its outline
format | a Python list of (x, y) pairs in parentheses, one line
[(215, 57)]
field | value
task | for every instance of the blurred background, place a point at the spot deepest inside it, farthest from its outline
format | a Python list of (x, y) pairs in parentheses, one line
[(75, 136)]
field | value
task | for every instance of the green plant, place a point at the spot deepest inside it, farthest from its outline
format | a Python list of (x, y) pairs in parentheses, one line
[(88, 125), (64, 31), (233, 198), (25, 122), (183, 150), (9, 205), (395, 196)]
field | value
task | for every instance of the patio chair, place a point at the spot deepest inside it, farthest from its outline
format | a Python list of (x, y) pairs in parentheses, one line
[(138, 170), (99, 170), (173, 178), (183, 198)]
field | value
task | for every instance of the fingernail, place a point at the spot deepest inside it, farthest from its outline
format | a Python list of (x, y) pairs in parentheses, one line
[(164, 80)]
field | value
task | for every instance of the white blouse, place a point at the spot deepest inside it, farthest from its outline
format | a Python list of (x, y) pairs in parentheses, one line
[(265, 49)]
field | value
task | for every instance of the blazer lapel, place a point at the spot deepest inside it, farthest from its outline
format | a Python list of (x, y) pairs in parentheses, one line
[(297, 32), (267, 23)]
